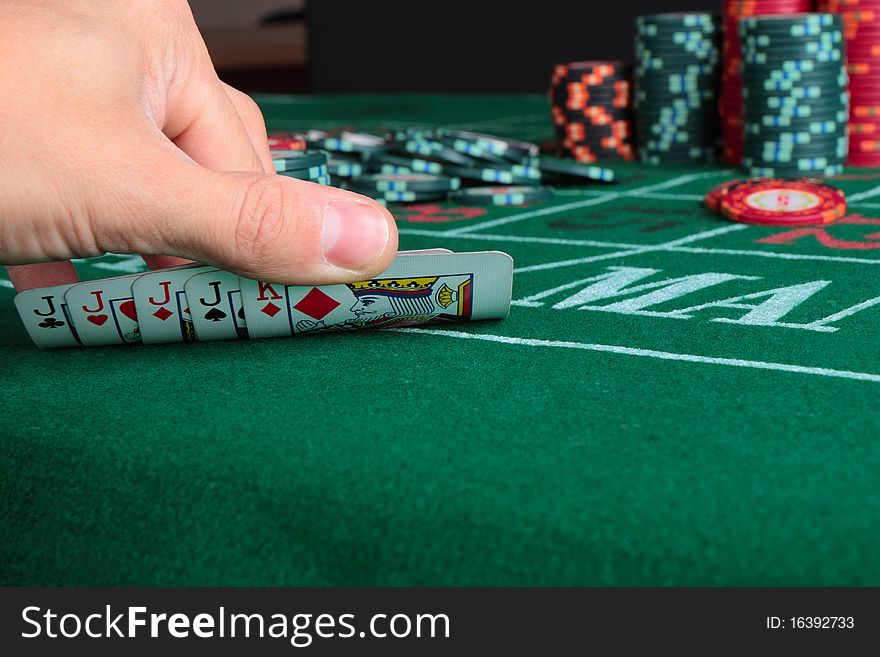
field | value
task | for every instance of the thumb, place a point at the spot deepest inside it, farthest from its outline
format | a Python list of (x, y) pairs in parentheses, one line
[(262, 225)]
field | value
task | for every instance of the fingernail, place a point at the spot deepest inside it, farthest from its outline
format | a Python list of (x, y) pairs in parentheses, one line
[(355, 235)]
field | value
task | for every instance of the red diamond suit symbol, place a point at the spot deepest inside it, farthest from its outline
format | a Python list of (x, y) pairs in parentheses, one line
[(162, 313), (316, 304)]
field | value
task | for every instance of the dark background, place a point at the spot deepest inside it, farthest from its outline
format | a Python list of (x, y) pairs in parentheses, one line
[(476, 46), (467, 45)]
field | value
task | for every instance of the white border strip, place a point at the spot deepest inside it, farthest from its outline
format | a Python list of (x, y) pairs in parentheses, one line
[(649, 353)]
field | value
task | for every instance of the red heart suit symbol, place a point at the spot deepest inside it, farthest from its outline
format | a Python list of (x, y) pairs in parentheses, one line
[(127, 308), (97, 320)]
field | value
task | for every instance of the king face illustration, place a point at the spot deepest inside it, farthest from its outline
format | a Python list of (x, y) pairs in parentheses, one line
[(410, 301), (391, 302)]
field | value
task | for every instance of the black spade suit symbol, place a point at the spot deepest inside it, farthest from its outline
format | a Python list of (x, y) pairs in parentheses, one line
[(215, 315)]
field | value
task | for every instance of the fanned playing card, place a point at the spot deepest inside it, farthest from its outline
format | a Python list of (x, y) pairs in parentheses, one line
[(215, 305), (45, 316), (435, 288), (103, 312), (162, 309)]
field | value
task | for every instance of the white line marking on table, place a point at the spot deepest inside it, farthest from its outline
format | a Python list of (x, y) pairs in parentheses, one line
[(650, 195), (715, 232), (774, 254), (871, 193), (6, 283), (580, 191), (672, 197), (649, 353), (689, 198), (525, 239), (611, 196)]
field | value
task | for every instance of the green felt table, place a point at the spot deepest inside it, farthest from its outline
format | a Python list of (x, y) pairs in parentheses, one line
[(674, 399)]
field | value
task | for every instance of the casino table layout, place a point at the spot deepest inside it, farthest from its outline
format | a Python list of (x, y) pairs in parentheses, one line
[(675, 399)]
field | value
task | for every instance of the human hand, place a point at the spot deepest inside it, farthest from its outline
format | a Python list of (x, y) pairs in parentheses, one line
[(117, 136)]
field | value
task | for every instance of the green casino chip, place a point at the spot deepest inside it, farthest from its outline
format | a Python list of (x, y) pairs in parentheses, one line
[(345, 142), (388, 168), (431, 150), (507, 148), (412, 182), (409, 197), (502, 176), (306, 174), (504, 195), (411, 164), (297, 160), (344, 168), (471, 149), (570, 169)]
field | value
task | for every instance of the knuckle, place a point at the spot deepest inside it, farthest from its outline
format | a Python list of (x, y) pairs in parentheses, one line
[(249, 107), (264, 217)]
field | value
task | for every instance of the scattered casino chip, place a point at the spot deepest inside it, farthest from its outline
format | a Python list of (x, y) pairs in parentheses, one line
[(291, 160), (418, 164), (409, 197), (676, 87), (780, 202), (795, 98), (504, 195), (511, 149), (560, 168), (591, 109), (406, 182), (345, 142), (431, 150), (484, 174), (306, 174), (402, 164), (341, 168)]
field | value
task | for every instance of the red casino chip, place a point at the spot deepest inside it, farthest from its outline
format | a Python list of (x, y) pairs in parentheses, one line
[(712, 199), (778, 202), (286, 143)]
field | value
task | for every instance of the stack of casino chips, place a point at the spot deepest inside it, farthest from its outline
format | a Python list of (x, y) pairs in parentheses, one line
[(291, 159), (730, 104), (591, 107), (861, 31), (303, 165), (676, 83), (795, 98)]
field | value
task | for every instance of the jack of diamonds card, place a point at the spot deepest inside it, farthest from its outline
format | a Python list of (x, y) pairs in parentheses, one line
[(416, 289), (162, 308)]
